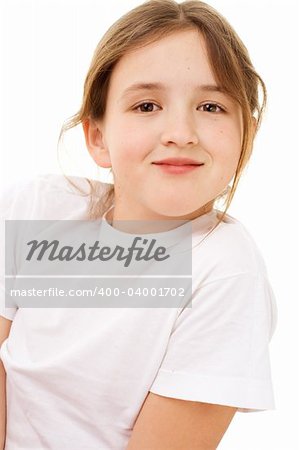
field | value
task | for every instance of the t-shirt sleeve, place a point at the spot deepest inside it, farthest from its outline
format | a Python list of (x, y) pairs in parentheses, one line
[(7, 205), (44, 197), (218, 351)]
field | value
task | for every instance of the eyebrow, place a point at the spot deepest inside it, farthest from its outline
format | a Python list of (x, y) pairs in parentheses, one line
[(136, 87)]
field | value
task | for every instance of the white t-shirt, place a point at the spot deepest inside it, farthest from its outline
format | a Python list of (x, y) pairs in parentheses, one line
[(77, 377)]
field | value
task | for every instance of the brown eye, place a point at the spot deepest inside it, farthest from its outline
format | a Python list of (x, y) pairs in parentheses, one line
[(212, 108), (145, 107)]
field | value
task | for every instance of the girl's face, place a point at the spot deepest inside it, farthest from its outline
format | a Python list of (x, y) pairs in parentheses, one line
[(163, 102)]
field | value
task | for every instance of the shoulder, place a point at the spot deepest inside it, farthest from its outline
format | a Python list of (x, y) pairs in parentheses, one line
[(229, 250), (48, 196), (228, 269)]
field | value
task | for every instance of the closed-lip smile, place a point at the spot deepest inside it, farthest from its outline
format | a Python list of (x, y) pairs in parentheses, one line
[(178, 162)]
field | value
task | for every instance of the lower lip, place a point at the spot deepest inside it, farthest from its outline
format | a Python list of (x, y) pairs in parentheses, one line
[(168, 168)]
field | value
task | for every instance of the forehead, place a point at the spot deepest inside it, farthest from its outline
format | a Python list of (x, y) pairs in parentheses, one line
[(178, 59)]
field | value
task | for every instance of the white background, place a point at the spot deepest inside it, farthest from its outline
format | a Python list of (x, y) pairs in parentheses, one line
[(46, 48)]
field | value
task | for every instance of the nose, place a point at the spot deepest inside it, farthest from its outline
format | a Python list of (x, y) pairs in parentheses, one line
[(180, 129)]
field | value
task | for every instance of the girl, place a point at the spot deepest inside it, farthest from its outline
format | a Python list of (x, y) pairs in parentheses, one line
[(171, 106)]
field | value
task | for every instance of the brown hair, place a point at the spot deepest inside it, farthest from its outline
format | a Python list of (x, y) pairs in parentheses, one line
[(148, 23)]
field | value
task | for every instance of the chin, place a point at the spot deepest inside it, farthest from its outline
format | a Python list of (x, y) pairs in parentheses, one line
[(176, 211)]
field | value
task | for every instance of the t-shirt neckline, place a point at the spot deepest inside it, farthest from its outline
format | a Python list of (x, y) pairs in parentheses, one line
[(200, 225)]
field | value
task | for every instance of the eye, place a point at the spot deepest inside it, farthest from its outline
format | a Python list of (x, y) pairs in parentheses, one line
[(149, 107), (212, 108), (145, 107)]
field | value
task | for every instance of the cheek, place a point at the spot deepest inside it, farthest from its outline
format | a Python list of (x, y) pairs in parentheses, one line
[(131, 143), (223, 140)]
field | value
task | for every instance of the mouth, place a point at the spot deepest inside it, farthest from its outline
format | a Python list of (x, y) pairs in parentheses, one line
[(177, 168), (178, 162)]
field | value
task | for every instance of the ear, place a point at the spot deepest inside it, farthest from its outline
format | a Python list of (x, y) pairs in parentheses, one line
[(254, 124), (93, 132)]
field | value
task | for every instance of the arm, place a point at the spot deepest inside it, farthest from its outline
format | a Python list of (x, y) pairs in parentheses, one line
[(166, 423), (5, 325)]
